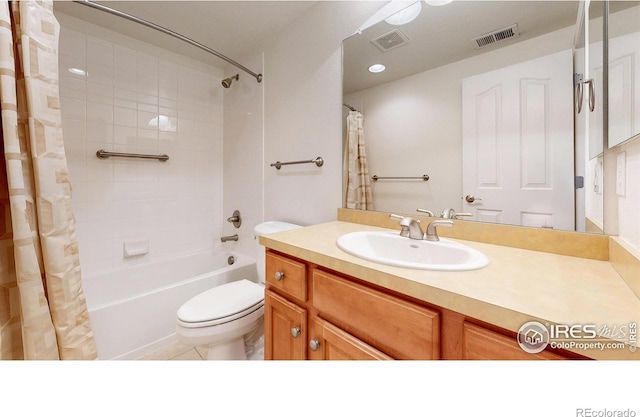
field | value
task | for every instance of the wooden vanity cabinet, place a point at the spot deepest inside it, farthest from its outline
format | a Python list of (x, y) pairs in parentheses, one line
[(313, 313)]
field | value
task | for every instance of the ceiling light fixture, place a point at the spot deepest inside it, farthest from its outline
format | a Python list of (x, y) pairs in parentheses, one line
[(375, 68), (405, 15), (437, 2)]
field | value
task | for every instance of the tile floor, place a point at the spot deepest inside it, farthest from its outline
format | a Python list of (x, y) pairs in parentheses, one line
[(177, 351)]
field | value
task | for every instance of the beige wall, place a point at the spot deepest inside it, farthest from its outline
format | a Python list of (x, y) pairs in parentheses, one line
[(303, 112)]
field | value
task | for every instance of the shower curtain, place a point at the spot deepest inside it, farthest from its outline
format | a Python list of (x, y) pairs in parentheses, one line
[(359, 194), (43, 314)]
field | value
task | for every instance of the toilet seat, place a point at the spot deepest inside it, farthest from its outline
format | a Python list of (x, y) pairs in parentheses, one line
[(221, 304)]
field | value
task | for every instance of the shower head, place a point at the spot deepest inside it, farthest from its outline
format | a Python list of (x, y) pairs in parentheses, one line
[(226, 83)]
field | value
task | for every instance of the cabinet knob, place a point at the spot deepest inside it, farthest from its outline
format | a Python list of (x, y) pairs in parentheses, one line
[(314, 344), (295, 332), (279, 275)]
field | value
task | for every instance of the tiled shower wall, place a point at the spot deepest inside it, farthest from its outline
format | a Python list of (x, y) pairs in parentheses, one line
[(126, 96)]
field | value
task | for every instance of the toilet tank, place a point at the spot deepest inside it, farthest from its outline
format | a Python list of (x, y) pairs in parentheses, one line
[(265, 229)]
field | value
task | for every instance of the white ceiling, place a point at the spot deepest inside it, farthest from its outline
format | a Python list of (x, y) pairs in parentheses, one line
[(442, 35), (237, 28), (232, 28)]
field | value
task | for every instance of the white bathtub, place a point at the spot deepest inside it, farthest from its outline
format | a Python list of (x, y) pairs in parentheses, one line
[(133, 311)]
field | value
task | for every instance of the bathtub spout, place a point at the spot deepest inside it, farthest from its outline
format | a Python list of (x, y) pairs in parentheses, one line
[(228, 238)]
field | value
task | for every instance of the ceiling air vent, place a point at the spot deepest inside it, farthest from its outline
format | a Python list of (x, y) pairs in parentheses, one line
[(390, 40), (495, 36)]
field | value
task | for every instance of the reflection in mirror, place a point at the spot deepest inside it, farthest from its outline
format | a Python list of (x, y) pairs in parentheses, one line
[(624, 71), (478, 96), (590, 114)]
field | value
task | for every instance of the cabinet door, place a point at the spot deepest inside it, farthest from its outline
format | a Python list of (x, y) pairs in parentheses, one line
[(481, 343), (329, 342), (285, 328)]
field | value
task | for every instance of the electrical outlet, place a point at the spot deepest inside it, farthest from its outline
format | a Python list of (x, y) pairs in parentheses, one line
[(621, 174)]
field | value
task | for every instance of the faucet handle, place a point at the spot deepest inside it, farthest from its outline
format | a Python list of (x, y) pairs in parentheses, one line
[(455, 216), (405, 224), (235, 219), (405, 229), (427, 212)]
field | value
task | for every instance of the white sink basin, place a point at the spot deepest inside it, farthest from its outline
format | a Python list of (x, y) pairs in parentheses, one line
[(390, 248)]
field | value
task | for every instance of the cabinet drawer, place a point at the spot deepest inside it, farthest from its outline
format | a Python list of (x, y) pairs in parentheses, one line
[(397, 327), (481, 343), (287, 275)]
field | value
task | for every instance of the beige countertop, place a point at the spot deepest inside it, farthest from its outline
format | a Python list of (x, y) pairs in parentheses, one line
[(518, 286)]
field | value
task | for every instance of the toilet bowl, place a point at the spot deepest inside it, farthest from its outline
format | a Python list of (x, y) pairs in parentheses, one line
[(222, 317)]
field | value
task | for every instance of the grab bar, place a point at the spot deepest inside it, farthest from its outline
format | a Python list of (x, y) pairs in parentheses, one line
[(102, 154), (318, 161), (425, 177)]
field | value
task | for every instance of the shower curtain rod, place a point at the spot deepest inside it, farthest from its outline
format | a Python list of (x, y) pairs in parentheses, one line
[(168, 32), (349, 107)]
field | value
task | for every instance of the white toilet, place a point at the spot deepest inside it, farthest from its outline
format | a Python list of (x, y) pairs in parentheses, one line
[(223, 316)]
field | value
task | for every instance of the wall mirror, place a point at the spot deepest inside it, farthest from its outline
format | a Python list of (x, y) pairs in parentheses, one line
[(444, 108), (624, 72)]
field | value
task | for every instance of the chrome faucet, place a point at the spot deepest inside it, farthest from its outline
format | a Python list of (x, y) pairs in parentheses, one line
[(410, 227), (451, 214), (228, 238), (432, 233)]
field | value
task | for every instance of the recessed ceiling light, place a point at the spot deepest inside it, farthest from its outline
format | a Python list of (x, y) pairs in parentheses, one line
[(405, 15), (377, 68)]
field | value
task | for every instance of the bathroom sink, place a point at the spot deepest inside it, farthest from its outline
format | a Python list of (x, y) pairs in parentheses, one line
[(389, 248)]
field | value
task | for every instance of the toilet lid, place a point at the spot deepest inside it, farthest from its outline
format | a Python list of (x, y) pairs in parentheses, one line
[(223, 303)]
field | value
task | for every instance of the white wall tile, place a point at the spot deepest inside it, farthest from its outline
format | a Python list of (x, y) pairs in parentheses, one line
[(125, 59), (123, 135), (99, 93), (98, 112), (125, 80), (73, 42), (73, 109), (185, 215), (99, 132), (100, 51), (148, 65), (129, 102), (97, 72), (125, 116)]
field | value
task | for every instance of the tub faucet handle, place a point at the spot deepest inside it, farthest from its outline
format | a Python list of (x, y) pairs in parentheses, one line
[(235, 219)]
